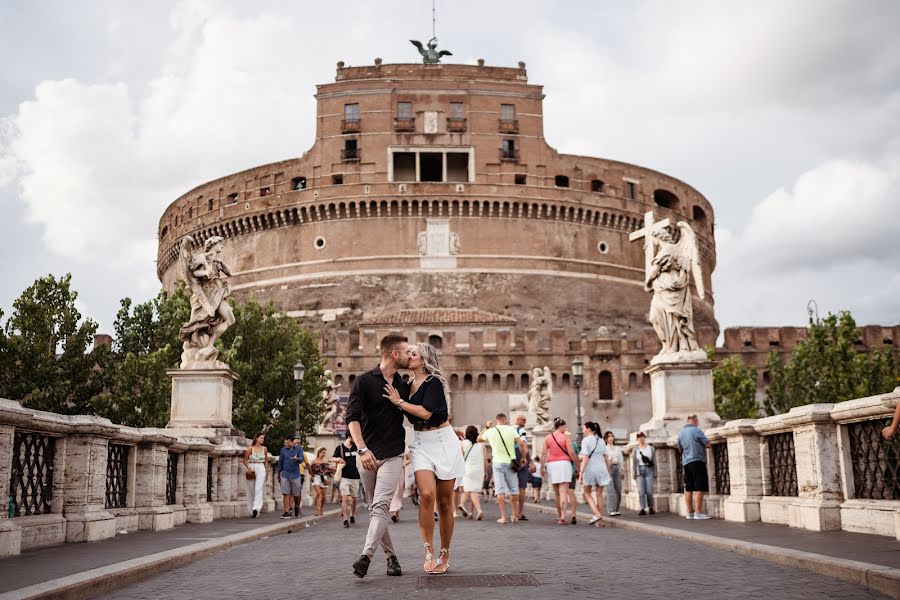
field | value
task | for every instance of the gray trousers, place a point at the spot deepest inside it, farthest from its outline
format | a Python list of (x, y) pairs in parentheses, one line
[(380, 486), (645, 486), (614, 490)]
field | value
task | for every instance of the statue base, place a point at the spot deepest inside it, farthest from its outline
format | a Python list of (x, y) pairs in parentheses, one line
[(201, 398), (679, 389)]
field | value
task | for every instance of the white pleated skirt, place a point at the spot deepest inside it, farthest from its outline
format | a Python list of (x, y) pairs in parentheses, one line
[(559, 471), (437, 451)]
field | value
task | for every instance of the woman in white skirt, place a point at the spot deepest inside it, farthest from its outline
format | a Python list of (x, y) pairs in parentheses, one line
[(257, 472), (437, 458), (594, 473), (476, 464), (558, 457)]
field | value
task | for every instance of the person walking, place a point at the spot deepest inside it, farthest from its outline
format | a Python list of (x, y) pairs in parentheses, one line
[(644, 470), (376, 427), (345, 454), (558, 457), (694, 443), (504, 439), (616, 475), (320, 469), (436, 455), (573, 484), (402, 484), (594, 473), (537, 481), (288, 470), (475, 460), (257, 471), (525, 464)]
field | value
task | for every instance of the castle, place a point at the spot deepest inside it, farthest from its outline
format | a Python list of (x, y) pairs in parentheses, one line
[(431, 204)]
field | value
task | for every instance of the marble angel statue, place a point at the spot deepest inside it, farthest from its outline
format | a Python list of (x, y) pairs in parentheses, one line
[(540, 393), (329, 401), (430, 55)]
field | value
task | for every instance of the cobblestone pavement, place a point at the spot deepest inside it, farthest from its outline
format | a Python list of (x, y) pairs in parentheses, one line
[(570, 562)]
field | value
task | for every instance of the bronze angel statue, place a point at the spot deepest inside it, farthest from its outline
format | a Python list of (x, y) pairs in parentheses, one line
[(211, 314), (430, 55), (669, 279)]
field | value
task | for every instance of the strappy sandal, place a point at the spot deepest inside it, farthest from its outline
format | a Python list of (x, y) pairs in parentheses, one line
[(429, 565), (443, 562), (478, 516)]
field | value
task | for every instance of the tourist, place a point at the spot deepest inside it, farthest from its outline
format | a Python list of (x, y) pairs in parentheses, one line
[(345, 454), (257, 466), (504, 439), (557, 457), (889, 431), (436, 455), (616, 475), (594, 473), (397, 499), (475, 460), (644, 460), (377, 430), (288, 470), (487, 488), (303, 464), (573, 484), (536, 481), (320, 469), (525, 464), (693, 445)]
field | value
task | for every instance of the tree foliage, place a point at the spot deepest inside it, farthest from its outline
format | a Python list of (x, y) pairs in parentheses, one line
[(828, 368), (734, 389)]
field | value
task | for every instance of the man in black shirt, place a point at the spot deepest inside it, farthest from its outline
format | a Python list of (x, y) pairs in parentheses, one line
[(376, 426), (349, 485)]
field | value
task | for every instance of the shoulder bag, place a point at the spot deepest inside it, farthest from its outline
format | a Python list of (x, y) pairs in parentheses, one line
[(513, 462)]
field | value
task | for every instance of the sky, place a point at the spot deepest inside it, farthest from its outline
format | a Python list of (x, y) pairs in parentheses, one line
[(784, 115)]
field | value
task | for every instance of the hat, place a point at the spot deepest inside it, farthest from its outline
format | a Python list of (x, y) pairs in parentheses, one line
[(641, 434)]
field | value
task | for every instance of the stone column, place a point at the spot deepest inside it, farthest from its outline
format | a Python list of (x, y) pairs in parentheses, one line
[(818, 468), (198, 509), (744, 469), (84, 481), (10, 533), (150, 483), (223, 505)]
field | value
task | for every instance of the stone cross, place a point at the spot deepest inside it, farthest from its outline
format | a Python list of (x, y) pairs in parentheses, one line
[(647, 232)]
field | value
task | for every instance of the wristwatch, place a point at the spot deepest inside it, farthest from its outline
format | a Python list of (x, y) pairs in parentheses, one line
[(362, 451)]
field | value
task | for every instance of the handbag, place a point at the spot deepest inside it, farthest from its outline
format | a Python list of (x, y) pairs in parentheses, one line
[(515, 463), (250, 475)]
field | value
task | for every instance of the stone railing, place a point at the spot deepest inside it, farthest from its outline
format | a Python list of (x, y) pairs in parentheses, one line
[(818, 467), (81, 479)]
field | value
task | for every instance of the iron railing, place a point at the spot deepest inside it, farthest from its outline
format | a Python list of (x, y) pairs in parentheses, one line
[(456, 125), (511, 154), (117, 476), (509, 126), (210, 471), (782, 464), (351, 125), (404, 124), (349, 154), (876, 461), (171, 478), (720, 464), (31, 481)]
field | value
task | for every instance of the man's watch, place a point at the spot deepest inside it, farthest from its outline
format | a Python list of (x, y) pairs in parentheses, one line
[(362, 451)]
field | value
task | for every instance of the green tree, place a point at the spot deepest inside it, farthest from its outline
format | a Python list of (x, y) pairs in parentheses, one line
[(734, 389), (828, 368), (262, 347), (47, 358)]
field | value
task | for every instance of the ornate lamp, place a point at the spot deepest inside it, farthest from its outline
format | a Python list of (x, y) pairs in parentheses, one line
[(577, 370), (299, 373)]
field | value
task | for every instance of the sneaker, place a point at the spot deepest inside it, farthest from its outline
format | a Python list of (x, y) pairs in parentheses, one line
[(651, 511), (462, 510), (701, 516), (296, 511), (615, 514), (285, 515), (346, 523), (255, 513), (643, 513), (393, 567), (361, 566), (574, 521), (523, 518), (689, 516), (352, 519)]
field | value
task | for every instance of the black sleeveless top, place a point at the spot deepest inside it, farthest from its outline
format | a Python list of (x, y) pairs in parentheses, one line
[(430, 396)]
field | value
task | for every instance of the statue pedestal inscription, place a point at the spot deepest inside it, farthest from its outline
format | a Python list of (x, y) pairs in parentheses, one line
[(679, 389), (201, 398)]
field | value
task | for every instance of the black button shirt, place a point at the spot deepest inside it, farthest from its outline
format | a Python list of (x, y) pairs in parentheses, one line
[(430, 396), (381, 421)]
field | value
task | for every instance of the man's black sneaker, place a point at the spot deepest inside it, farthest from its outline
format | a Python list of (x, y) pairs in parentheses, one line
[(643, 513), (346, 523), (285, 515), (523, 518), (352, 519), (296, 511), (255, 513), (361, 566), (393, 567), (652, 512), (574, 521)]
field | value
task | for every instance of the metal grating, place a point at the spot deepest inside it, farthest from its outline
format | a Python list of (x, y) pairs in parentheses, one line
[(447, 582), (31, 480), (876, 461), (116, 476), (679, 470), (782, 465), (171, 477), (720, 461), (210, 471)]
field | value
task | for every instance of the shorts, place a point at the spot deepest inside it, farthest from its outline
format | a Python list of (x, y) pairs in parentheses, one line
[(349, 487), (318, 481), (523, 478), (505, 479), (537, 482), (695, 477), (559, 471), (438, 451), (291, 486)]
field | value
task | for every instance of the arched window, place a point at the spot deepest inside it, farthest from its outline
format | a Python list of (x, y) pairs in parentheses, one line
[(561, 181), (523, 381), (495, 382), (164, 232), (436, 341), (632, 381), (482, 382), (700, 216), (350, 380), (467, 381), (565, 381), (605, 387), (510, 382), (666, 199), (454, 381)]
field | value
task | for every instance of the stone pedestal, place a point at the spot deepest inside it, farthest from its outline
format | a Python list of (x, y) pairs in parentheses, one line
[(84, 493), (201, 398), (150, 485), (746, 473), (679, 389), (198, 508)]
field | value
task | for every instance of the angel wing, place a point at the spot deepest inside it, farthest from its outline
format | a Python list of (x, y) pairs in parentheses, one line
[(690, 255), (444, 53), (418, 45), (549, 379)]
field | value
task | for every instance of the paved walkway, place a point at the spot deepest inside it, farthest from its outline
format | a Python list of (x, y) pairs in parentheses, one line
[(567, 562)]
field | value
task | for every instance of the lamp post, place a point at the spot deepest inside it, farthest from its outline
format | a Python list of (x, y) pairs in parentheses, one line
[(577, 366), (299, 372)]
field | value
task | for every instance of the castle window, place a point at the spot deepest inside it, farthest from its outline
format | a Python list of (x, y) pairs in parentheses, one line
[(630, 190), (337, 179), (436, 341), (404, 120), (521, 179), (319, 243), (298, 183), (232, 198), (210, 205), (561, 181), (456, 110), (495, 381), (467, 381), (431, 166), (666, 199), (596, 185), (351, 122), (508, 150), (700, 216), (603, 247), (164, 232), (632, 381), (605, 387), (404, 166), (774, 343), (265, 191), (350, 151), (458, 166), (508, 121), (456, 121), (191, 213), (747, 343)]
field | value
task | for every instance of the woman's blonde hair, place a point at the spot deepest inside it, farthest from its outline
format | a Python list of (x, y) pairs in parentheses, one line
[(432, 365)]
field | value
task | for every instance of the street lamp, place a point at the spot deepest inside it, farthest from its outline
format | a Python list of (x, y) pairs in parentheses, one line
[(577, 366), (299, 372)]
